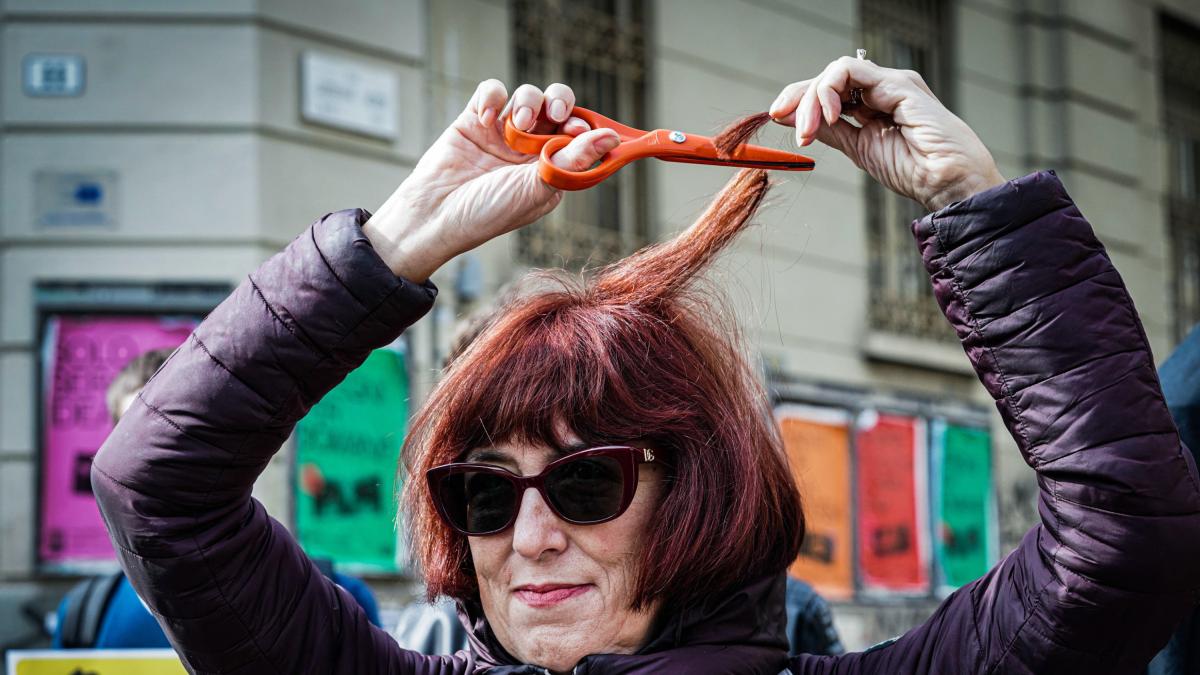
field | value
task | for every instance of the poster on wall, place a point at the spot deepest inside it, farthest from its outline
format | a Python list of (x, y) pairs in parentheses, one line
[(964, 512), (817, 441), (891, 481), (347, 454), (94, 662), (80, 356)]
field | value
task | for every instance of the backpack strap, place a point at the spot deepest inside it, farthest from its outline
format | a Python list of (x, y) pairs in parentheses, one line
[(68, 631), (87, 603)]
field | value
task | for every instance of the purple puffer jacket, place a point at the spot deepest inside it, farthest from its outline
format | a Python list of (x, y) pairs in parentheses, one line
[(1041, 313)]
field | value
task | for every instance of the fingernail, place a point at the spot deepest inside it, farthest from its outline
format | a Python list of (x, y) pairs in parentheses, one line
[(558, 110), (523, 118), (605, 143), (775, 106), (487, 116)]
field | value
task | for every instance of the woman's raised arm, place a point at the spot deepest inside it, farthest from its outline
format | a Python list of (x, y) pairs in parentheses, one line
[(230, 586), (1050, 328)]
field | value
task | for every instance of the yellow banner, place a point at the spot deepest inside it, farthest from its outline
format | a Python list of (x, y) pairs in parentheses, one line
[(817, 441), (95, 662)]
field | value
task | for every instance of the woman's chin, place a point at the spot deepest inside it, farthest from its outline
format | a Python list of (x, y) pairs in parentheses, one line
[(557, 653), (557, 637)]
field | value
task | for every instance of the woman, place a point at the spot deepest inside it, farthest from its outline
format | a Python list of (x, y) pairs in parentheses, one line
[(663, 549)]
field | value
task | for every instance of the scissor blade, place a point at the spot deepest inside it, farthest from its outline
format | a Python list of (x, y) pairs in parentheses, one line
[(804, 164)]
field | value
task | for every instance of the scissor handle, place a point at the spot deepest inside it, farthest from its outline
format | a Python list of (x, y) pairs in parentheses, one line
[(548, 144), (531, 144), (564, 179)]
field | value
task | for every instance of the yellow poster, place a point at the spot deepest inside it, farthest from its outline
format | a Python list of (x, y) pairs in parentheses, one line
[(95, 662), (817, 441)]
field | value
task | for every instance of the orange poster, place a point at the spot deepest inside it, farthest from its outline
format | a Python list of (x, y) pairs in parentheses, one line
[(818, 447)]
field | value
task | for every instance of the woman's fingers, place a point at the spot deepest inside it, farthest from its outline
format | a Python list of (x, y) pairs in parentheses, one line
[(553, 119), (489, 98), (919, 81), (525, 106), (785, 104), (829, 95), (541, 112), (575, 126), (883, 88), (560, 101), (585, 149), (808, 115), (821, 97)]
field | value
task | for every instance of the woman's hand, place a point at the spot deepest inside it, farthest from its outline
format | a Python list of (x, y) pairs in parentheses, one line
[(470, 187), (908, 140)]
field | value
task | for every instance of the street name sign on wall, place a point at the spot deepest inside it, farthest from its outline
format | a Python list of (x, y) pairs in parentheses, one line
[(350, 95)]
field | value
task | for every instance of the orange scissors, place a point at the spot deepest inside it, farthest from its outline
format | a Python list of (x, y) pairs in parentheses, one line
[(664, 144)]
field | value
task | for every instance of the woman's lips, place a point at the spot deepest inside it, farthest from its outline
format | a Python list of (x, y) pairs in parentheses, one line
[(548, 595)]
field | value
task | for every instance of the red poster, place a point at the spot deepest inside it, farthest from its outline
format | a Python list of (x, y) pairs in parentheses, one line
[(80, 357), (893, 549)]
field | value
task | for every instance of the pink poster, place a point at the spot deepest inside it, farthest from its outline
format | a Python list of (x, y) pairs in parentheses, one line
[(80, 356)]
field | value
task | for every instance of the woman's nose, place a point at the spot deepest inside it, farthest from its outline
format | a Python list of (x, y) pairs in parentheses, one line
[(537, 532)]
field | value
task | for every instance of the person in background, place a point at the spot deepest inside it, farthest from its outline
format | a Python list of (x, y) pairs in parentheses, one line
[(810, 628), (1180, 377), (104, 612)]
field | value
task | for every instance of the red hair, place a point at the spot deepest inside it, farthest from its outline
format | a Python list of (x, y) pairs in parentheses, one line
[(632, 353)]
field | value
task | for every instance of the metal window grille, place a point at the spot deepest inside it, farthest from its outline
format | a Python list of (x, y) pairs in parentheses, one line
[(1181, 106), (907, 34), (598, 48)]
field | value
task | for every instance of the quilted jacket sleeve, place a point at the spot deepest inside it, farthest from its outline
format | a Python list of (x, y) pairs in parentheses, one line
[(1048, 325), (229, 584)]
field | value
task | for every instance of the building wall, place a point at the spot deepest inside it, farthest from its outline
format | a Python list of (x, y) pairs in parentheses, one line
[(195, 107)]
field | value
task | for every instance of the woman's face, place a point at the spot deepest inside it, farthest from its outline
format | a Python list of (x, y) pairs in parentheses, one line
[(555, 592)]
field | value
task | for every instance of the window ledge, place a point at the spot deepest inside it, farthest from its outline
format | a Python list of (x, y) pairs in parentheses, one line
[(946, 357)]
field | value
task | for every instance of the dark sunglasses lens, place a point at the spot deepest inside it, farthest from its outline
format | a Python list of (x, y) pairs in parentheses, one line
[(587, 489), (478, 502)]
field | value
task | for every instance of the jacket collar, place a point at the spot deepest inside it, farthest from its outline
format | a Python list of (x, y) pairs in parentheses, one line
[(741, 631)]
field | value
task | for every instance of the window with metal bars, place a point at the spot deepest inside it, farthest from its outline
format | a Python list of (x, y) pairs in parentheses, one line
[(1180, 65), (597, 47), (911, 35)]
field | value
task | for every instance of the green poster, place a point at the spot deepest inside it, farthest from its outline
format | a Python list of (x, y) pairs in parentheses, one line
[(347, 449), (963, 506)]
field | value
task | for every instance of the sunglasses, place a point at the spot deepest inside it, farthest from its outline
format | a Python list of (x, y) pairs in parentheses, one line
[(585, 488)]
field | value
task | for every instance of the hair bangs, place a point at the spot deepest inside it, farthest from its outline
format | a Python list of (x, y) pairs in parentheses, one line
[(567, 365)]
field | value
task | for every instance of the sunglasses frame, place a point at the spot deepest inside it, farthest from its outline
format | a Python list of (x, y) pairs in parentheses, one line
[(628, 457)]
